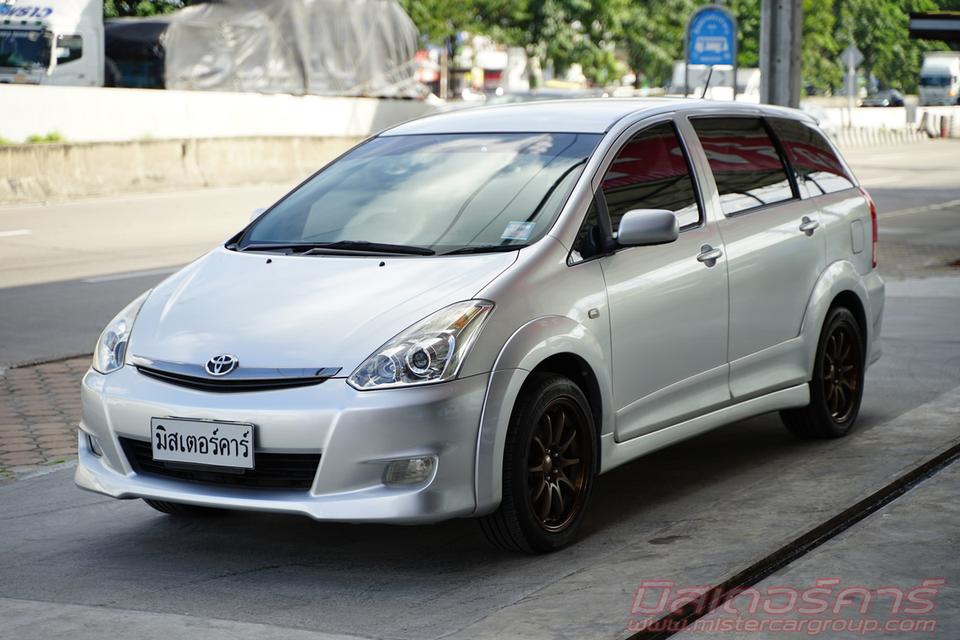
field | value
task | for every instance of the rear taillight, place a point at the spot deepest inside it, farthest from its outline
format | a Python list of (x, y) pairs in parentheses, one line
[(873, 224)]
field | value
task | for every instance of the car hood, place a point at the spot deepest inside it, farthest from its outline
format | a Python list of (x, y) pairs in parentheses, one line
[(300, 311)]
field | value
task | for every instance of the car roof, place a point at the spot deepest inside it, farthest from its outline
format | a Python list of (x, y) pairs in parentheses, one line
[(587, 115)]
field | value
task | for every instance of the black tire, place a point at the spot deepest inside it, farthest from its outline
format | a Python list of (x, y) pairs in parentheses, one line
[(564, 467), (835, 390), (182, 510)]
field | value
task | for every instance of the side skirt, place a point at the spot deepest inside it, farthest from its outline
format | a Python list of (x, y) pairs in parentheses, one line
[(613, 453)]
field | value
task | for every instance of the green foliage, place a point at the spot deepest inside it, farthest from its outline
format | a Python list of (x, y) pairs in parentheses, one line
[(124, 8), (53, 136), (438, 20), (820, 52)]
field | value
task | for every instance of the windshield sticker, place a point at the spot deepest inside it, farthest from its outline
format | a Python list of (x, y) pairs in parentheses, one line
[(518, 231)]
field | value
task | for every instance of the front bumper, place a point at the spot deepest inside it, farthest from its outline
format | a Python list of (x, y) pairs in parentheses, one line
[(356, 433)]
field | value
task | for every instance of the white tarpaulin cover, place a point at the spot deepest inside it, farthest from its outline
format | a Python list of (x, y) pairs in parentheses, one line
[(326, 47)]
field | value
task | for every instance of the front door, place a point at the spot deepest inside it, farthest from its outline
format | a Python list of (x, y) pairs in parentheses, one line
[(668, 303)]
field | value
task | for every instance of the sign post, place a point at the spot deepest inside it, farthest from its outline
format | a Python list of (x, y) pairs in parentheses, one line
[(852, 58), (711, 41)]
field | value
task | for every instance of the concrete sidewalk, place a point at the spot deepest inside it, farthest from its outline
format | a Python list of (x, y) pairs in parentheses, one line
[(915, 538)]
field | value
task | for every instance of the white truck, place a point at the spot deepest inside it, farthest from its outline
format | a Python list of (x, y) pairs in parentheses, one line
[(52, 42), (940, 78)]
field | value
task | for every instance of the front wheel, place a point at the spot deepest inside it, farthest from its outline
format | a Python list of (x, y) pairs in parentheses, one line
[(548, 469), (837, 385)]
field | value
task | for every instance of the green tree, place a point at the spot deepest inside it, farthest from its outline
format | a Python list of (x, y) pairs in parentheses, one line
[(440, 20), (820, 52), (560, 32), (651, 36)]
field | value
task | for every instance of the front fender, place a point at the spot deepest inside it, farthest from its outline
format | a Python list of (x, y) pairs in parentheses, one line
[(530, 345)]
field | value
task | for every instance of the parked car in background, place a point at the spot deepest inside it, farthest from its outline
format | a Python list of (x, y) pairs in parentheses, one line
[(475, 313), (885, 98)]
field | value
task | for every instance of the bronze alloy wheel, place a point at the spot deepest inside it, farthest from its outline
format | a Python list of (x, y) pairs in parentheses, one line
[(558, 471), (841, 374)]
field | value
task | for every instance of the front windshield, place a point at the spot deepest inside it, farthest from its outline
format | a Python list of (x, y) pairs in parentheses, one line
[(23, 49), (934, 81), (442, 192)]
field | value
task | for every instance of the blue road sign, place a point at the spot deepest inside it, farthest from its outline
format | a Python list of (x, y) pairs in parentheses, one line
[(712, 37)]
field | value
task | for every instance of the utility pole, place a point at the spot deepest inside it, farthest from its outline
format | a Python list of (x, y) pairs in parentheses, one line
[(780, 33)]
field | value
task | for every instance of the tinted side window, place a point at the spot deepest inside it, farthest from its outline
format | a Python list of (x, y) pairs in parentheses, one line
[(651, 172), (813, 160), (746, 166)]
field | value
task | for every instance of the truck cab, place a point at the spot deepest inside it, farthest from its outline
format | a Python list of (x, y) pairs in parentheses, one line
[(940, 78), (59, 42)]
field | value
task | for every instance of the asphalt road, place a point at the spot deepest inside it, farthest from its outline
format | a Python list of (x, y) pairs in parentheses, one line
[(66, 269), (84, 566)]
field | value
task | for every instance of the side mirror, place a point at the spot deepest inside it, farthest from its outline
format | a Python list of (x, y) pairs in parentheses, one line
[(256, 213), (647, 226)]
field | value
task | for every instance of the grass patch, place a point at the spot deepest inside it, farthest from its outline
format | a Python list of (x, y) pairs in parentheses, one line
[(53, 136)]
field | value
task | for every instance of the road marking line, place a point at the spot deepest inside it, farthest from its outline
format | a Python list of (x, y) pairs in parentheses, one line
[(130, 274), (920, 209), (15, 232)]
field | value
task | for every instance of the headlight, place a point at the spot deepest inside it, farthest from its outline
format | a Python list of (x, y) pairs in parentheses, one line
[(429, 351), (112, 345)]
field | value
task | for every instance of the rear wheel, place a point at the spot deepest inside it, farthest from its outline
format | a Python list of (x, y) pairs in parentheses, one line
[(837, 385), (181, 510), (548, 469)]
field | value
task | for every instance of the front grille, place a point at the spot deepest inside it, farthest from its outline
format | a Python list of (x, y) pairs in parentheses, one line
[(272, 471), (223, 385)]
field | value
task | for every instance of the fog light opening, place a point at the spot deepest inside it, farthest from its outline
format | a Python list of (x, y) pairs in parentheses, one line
[(94, 445), (410, 471)]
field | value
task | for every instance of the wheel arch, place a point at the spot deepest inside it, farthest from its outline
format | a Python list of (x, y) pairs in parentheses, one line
[(555, 344), (840, 283)]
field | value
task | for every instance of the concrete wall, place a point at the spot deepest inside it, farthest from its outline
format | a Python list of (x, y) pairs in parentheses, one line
[(126, 140), (885, 117), (94, 114), (46, 172)]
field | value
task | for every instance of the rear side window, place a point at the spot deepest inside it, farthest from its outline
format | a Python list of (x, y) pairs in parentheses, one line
[(651, 172), (813, 160), (746, 166)]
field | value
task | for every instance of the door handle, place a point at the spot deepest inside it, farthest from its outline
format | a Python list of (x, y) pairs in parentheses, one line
[(808, 226), (709, 255)]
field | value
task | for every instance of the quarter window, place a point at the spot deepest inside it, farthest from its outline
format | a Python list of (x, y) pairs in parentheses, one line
[(746, 166), (813, 160), (651, 172)]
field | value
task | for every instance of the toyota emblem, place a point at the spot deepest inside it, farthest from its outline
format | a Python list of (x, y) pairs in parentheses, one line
[(221, 365)]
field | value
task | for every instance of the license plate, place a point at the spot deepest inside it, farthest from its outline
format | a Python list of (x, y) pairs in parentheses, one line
[(217, 444)]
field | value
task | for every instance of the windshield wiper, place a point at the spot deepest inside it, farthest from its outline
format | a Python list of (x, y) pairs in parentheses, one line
[(349, 247), (485, 248)]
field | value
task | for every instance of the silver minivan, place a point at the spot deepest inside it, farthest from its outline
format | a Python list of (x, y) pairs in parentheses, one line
[(476, 313)]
